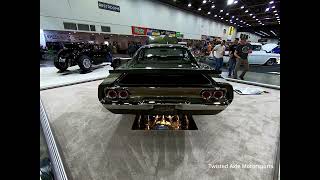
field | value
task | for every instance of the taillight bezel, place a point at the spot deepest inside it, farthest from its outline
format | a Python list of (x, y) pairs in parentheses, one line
[(218, 91), (205, 91), (123, 90), (111, 90)]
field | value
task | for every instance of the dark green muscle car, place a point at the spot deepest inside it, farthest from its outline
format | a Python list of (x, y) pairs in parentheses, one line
[(163, 79)]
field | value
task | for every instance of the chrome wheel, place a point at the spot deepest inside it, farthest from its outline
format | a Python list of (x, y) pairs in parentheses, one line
[(87, 63), (270, 62)]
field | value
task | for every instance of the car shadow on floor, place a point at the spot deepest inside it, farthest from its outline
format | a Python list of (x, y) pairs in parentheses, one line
[(79, 71)]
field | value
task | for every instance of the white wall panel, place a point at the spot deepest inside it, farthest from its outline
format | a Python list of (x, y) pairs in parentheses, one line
[(146, 13)]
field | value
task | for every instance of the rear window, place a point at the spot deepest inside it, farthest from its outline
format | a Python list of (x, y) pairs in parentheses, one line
[(167, 54)]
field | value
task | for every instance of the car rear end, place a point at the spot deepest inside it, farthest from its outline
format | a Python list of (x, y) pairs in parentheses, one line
[(165, 93)]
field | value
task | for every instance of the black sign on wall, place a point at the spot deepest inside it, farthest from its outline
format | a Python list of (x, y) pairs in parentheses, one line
[(109, 7)]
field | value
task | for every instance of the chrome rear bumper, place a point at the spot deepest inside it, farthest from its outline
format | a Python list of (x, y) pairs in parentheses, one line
[(183, 107)]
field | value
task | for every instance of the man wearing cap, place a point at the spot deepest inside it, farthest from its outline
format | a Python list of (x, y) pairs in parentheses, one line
[(241, 54)]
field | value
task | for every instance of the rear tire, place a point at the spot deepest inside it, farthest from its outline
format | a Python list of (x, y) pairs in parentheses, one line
[(270, 62), (85, 63)]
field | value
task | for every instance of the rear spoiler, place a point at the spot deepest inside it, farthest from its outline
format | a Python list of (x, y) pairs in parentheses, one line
[(164, 71)]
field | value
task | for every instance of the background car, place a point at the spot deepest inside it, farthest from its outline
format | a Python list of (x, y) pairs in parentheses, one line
[(83, 55), (259, 55)]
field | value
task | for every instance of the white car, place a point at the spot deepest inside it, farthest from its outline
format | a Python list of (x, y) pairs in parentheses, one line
[(260, 55)]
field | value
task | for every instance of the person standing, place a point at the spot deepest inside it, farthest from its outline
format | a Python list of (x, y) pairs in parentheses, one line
[(131, 49), (241, 54), (232, 59), (220, 48), (209, 48)]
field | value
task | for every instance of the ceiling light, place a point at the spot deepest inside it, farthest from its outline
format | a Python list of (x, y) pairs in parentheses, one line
[(204, 1), (209, 12), (237, 19), (215, 15), (189, 5), (221, 10), (242, 7), (241, 21), (275, 11), (267, 9), (199, 9), (271, 2), (227, 14), (229, 2), (273, 7), (222, 18), (213, 6), (250, 14), (253, 16), (246, 11), (226, 19), (277, 17), (276, 14), (235, 2), (232, 16)]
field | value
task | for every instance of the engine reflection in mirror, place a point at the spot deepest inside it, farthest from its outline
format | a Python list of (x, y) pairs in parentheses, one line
[(164, 122)]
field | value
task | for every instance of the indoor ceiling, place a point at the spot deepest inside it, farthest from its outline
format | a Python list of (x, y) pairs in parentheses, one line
[(261, 17)]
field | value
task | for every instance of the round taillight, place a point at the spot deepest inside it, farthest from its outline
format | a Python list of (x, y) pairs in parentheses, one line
[(123, 94), (112, 94), (206, 94), (218, 94)]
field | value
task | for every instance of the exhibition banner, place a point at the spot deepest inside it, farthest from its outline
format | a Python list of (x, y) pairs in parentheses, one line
[(152, 32), (231, 30), (139, 30)]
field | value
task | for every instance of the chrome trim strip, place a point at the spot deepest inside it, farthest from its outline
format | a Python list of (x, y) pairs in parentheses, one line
[(177, 106), (58, 168)]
